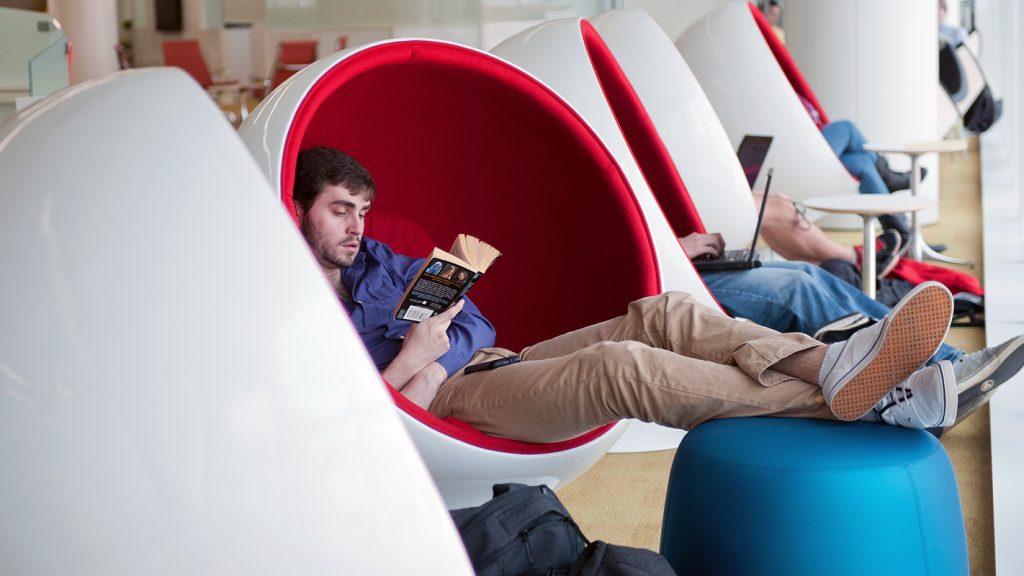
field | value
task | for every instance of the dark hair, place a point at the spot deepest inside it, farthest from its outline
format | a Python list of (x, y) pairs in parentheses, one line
[(324, 166)]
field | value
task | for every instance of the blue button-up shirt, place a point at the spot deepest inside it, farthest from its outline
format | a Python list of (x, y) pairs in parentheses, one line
[(377, 280)]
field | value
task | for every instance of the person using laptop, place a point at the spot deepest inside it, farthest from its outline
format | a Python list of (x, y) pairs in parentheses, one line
[(800, 297), (792, 236)]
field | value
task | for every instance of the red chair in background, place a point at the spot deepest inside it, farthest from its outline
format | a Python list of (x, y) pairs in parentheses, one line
[(292, 56), (185, 54)]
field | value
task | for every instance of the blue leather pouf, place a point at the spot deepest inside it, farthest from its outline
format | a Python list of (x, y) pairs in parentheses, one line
[(807, 497)]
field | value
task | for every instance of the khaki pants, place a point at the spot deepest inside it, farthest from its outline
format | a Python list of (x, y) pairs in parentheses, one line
[(669, 360)]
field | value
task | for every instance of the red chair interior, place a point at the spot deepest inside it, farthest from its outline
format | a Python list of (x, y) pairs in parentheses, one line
[(459, 141), (642, 137), (185, 54), (789, 67)]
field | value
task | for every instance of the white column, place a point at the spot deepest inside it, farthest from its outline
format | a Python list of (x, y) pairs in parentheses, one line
[(91, 26), (874, 62)]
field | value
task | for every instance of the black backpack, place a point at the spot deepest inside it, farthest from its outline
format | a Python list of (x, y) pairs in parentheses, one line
[(526, 531), (523, 530), (984, 112)]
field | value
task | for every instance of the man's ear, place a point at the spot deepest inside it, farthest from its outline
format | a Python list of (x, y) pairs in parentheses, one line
[(299, 212)]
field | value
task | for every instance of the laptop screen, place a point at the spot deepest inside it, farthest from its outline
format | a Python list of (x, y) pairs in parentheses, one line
[(751, 153)]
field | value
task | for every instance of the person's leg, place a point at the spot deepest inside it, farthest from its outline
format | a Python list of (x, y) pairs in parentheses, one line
[(793, 237), (843, 136), (797, 297), (673, 361), (862, 165), (554, 399), (790, 296), (676, 322), (838, 135)]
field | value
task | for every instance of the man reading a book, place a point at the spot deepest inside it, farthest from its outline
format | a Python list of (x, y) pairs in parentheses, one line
[(668, 360)]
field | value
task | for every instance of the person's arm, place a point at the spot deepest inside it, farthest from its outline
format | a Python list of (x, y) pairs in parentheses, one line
[(697, 245), (424, 344), (467, 332), (423, 387)]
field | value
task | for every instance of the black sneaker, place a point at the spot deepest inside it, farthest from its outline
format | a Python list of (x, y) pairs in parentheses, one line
[(888, 255), (899, 223), (895, 181)]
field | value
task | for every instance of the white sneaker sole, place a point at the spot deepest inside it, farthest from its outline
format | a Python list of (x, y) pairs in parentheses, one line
[(913, 331), (950, 396)]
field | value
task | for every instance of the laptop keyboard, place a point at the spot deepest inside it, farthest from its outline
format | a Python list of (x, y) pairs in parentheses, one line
[(734, 256)]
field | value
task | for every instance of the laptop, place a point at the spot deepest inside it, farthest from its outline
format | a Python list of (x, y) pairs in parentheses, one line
[(751, 153), (738, 259)]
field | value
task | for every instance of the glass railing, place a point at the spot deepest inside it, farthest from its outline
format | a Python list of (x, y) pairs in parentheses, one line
[(48, 70)]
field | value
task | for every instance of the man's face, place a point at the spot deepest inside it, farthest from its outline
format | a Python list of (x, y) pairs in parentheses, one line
[(333, 226)]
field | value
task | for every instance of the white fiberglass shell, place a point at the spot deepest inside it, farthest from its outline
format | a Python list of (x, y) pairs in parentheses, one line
[(182, 394), (556, 52), (685, 121), (463, 471), (752, 95)]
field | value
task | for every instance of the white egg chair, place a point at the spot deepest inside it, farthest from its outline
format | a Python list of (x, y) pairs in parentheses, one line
[(753, 84), (182, 393), (683, 118), (459, 141), (569, 56)]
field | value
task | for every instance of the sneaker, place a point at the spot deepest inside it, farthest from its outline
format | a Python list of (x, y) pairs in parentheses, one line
[(899, 223), (979, 374), (842, 328), (927, 399), (895, 181), (857, 373), (888, 255)]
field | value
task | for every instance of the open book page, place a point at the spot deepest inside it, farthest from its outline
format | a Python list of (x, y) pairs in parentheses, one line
[(445, 278), (479, 254)]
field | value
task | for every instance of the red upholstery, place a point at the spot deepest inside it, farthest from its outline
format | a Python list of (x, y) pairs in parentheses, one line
[(459, 141), (641, 135), (185, 54), (458, 429), (796, 79), (292, 56)]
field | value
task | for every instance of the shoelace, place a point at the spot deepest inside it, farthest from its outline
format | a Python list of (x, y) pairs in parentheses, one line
[(897, 400)]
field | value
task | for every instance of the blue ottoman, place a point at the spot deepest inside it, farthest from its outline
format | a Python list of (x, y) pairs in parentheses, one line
[(791, 496)]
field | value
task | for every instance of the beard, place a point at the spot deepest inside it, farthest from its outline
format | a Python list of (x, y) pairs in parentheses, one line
[(326, 250)]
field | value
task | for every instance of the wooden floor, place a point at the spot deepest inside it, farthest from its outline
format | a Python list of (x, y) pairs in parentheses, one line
[(620, 499)]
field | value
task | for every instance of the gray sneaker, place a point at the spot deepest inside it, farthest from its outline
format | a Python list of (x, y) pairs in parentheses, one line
[(927, 399), (979, 374), (857, 373)]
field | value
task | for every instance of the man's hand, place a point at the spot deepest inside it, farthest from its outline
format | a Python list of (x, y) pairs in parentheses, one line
[(703, 245), (424, 343), (423, 387)]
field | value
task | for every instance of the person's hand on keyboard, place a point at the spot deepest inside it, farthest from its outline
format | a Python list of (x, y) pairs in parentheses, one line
[(703, 246)]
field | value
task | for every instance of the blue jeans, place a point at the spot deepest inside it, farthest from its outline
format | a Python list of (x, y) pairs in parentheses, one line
[(795, 297), (848, 144)]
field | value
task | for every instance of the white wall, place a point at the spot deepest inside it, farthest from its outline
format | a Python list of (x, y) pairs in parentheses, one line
[(1001, 23), (675, 16)]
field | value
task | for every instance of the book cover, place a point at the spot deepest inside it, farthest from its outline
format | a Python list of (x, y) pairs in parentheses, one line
[(445, 277)]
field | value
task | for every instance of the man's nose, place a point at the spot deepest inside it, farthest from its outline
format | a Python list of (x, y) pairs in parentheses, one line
[(355, 226)]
